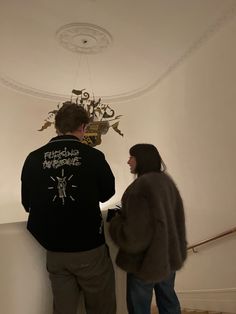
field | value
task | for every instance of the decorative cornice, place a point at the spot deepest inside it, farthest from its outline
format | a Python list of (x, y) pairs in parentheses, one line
[(102, 41), (25, 89)]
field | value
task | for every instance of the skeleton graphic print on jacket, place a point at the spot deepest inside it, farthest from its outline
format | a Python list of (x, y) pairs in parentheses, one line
[(60, 187)]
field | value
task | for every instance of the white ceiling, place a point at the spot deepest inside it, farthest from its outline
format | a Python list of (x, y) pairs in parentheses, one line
[(141, 42)]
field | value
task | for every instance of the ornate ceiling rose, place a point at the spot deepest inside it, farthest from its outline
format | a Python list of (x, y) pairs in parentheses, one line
[(83, 38)]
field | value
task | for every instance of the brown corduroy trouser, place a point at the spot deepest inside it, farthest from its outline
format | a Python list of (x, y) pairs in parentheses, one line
[(90, 272)]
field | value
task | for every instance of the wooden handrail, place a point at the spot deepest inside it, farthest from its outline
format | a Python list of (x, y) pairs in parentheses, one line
[(220, 235)]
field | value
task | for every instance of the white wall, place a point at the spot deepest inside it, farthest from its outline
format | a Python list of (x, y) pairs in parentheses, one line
[(24, 286), (20, 118), (190, 116), (199, 100)]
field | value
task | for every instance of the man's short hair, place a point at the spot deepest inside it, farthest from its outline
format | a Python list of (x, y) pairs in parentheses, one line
[(70, 117)]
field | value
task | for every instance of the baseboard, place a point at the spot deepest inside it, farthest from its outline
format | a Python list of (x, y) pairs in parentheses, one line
[(222, 300)]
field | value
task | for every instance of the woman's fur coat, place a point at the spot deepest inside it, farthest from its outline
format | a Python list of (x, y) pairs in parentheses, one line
[(150, 231)]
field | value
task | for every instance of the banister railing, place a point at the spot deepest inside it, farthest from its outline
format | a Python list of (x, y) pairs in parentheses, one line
[(220, 235)]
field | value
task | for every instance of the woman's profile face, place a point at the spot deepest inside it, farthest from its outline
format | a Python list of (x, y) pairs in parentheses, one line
[(132, 164)]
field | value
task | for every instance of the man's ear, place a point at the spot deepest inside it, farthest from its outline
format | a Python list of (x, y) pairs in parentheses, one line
[(83, 127)]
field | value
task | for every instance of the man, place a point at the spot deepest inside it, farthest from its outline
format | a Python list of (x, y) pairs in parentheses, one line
[(62, 185)]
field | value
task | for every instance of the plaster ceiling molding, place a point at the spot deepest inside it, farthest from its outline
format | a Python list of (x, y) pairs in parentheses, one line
[(28, 90), (84, 38), (122, 59)]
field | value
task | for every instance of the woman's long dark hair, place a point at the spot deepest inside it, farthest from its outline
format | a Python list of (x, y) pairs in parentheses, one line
[(147, 158)]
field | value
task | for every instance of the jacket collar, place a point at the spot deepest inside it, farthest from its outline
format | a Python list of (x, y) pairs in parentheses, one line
[(60, 138)]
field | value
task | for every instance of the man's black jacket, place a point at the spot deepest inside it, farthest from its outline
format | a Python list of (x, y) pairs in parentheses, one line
[(62, 185)]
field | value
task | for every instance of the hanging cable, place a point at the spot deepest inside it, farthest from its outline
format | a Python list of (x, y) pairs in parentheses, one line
[(90, 77), (76, 77)]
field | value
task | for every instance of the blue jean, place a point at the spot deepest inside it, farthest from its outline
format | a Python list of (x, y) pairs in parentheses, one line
[(139, 296)]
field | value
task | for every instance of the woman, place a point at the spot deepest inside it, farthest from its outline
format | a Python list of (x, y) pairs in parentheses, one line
[(150, 233)]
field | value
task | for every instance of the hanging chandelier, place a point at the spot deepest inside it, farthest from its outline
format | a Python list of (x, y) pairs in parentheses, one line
[(102, 117), (84, 39)]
